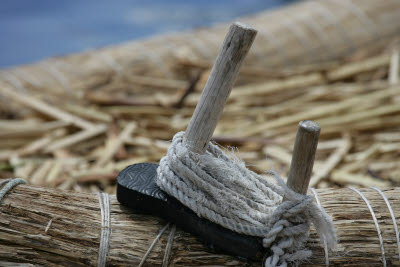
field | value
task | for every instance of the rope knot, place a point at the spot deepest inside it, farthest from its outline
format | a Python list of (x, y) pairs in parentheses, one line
[(221, 189)]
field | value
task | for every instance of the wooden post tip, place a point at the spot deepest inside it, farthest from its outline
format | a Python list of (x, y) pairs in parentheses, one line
[(244, 26), (304, 149), (236, 44), (309, 126)]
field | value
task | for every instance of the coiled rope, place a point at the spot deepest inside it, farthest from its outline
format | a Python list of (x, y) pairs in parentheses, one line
[(221, 189)]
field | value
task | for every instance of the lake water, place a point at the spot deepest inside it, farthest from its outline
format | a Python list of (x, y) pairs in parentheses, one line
[(31, 30)]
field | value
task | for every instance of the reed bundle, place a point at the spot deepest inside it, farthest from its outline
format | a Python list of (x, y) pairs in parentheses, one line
[(59, 228), (307, 32), (70, 139)]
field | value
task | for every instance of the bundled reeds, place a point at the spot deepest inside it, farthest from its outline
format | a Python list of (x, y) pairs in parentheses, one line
[(70, 138), (62, 228)]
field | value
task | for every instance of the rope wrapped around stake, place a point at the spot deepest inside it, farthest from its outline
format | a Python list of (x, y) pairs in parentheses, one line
[(221, 189)]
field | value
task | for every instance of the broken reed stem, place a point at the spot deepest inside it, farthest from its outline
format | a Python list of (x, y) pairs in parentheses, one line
[(63, 228), (45, 108), (332, 161), (394, 68), (218, 87)]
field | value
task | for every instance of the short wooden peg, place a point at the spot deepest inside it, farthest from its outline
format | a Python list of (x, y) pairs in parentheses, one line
[(304, 151)]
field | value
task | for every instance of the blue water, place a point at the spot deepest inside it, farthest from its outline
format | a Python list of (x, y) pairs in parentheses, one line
[(31, 30)]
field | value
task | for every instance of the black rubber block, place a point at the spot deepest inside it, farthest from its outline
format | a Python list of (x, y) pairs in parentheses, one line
[(137, 189)]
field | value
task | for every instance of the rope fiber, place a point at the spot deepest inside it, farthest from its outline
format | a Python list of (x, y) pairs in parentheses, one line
[(10, 184), (221, 189)]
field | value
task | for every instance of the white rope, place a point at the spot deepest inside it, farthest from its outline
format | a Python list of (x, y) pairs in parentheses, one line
[(152, 245), (396, 229), (5, 181), (104, 202), (222, 190), (168, 247), (325, 244), (376, 224), (10, 184)]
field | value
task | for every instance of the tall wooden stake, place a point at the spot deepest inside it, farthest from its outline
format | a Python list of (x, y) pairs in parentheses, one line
[(218, 87), (304, 150)]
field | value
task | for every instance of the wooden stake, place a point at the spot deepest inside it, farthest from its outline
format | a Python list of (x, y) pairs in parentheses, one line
[(218, 87), (304, 150)]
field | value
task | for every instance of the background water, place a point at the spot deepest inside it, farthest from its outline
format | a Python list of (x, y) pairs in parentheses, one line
[(31, 30)]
